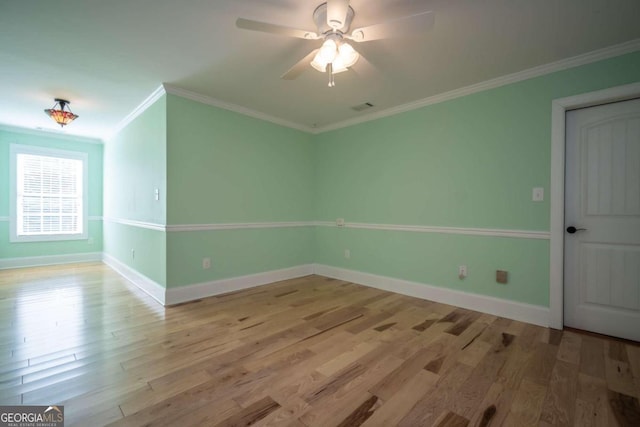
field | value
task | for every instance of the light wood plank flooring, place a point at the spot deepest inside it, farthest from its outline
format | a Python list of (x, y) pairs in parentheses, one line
[(303, 352)]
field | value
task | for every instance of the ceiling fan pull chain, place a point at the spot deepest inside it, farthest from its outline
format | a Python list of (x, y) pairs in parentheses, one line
[(332, 83)]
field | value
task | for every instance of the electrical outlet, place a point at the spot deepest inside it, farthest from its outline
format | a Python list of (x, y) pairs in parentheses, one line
[(133, 254), (206, 263), (537, 194), (462, 271), (340, 222), (502, 276), (156, 194), (347, 254)]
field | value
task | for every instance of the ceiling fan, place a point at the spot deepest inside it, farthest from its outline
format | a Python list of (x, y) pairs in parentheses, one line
[(333, 20)]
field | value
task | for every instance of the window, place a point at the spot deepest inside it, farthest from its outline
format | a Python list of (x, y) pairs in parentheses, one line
[(48, 194)]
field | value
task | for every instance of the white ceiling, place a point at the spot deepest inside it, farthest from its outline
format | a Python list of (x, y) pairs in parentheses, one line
[(106, 57)]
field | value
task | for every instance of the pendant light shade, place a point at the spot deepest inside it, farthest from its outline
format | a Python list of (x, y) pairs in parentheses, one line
[(341, 56), (61, 113)]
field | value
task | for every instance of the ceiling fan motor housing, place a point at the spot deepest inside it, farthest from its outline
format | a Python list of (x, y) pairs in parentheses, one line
[(320, 19)]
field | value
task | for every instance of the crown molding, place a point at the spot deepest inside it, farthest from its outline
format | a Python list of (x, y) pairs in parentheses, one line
[(148, 102), (208, 100), (563, 64), (50, 134)]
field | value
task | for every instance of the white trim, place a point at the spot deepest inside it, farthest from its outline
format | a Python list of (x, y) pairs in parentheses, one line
[(139, 224), (556, 248), (529, 313), (491, 232), (208, 100), (150, 287), (148, 102), (217, 287), (36, 150), (208, 227), (50, 133), (4, 218), (563, 64), (238, 225), (36, 261)]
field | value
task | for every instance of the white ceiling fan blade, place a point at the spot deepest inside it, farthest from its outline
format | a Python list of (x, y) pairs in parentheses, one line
[(337, 13), (404, 26), (265, 27), (299, 67), (365, 69)]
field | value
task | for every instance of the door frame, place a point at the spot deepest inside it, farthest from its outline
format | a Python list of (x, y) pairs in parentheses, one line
[(559, 107)]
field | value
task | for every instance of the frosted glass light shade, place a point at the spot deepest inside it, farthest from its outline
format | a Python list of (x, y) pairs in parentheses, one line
[(347, 55), (341, 57)]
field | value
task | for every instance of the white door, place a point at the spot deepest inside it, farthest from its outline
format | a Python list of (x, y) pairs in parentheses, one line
[(602, 196)]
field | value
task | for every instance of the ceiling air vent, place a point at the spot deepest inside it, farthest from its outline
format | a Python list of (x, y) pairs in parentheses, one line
[(362, 107)]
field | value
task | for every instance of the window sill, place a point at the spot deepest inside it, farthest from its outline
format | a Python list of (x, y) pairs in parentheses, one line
[(48, 238)]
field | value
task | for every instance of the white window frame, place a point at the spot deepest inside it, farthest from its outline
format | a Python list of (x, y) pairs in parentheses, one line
[(14, 151)]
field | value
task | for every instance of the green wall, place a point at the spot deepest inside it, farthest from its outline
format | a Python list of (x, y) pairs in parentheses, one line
[(35, 249), (135, 162), (235, 253), (150, 248), (211, 166), (224, 167), (468, 162), (134, 166)]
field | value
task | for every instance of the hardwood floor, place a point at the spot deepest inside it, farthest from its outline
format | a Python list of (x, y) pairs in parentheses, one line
[(303, 352)]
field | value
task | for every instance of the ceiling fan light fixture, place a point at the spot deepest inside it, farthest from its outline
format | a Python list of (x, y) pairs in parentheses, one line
[(338, 66), (347, 55), (61, 115), (326, 55), (318, 63), (328, 51), (333, 20), (337, 13), (341, 57)]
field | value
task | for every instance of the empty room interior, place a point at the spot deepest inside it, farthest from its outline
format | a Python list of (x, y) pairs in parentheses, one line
[(297, 213)]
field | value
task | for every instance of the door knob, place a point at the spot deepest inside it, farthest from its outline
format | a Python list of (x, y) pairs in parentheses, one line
[(571, 229)]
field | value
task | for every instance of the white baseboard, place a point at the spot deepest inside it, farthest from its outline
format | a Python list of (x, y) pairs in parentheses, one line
[(202, 290), (155, 290), (36, 261), (222, 286), (529, 313)]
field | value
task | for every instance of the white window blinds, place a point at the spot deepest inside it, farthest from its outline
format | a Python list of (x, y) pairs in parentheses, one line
[(49, 195)]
